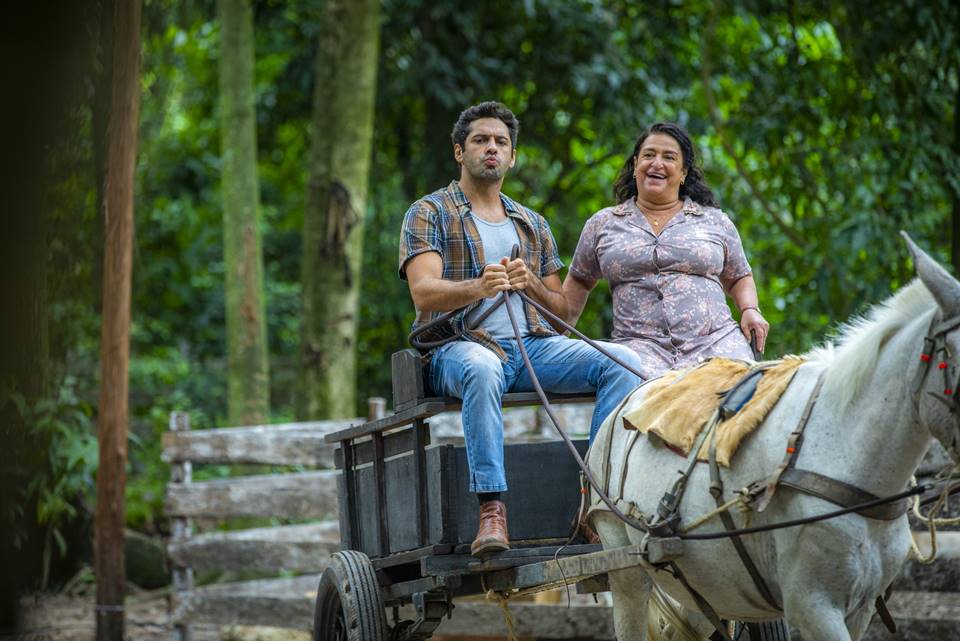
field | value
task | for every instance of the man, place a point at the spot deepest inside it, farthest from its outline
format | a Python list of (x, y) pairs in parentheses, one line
[(454, 252)]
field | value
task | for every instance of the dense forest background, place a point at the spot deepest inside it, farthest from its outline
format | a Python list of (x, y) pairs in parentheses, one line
[(824, 128)]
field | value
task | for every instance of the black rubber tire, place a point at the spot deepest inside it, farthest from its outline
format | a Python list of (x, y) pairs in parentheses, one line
[(349, 607), (763, 631)]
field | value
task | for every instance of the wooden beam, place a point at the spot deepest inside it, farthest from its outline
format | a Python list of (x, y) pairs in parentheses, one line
[(109, 518), (432, 406), (295, 548), (306, 495), (294, 444)]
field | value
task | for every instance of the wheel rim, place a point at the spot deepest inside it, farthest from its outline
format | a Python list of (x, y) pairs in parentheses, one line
[(333, 623), (340, 625)]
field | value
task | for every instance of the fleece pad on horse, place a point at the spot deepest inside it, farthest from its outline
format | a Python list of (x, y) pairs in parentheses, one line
[(677, 405)]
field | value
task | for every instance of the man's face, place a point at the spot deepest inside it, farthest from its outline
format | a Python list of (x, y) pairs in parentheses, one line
[(487, 153)]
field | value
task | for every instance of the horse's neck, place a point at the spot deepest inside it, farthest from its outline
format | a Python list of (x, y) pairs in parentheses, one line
[(875, 441)]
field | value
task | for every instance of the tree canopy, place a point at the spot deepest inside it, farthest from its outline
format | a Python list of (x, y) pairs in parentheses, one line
[(823, 128)]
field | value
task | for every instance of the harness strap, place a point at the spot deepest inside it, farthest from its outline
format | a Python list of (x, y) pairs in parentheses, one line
[(793, 447), (842, 494), (701, 602), (716, 490), (884, 614), (668, 514)]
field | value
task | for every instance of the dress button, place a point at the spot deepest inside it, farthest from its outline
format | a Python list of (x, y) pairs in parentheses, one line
[(659, 295)]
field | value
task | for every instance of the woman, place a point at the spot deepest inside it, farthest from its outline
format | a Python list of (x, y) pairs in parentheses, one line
[(671, 257)]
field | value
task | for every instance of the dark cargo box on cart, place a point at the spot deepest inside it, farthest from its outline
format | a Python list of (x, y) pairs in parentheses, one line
[(542, 501)]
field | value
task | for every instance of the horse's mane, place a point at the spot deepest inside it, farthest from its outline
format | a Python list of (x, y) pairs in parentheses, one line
[(851, 358)]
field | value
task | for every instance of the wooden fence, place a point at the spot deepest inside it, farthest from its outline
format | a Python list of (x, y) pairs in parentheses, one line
[(291, 557)]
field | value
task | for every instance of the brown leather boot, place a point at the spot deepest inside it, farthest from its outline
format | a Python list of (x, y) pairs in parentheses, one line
[(492, 534)]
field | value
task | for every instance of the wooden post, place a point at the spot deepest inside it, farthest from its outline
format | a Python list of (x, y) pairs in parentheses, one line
[(376, 408), (110, 514), (181, 529)]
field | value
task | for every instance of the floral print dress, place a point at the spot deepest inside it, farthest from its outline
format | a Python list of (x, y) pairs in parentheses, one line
[(669, 300)]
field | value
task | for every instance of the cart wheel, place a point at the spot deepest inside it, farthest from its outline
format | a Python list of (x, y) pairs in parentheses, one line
[(349, 607)]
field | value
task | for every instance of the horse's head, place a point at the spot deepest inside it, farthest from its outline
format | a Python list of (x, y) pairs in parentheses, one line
[(935, 390)]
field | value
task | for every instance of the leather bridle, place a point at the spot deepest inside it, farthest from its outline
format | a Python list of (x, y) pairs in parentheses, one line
[(936, 350)]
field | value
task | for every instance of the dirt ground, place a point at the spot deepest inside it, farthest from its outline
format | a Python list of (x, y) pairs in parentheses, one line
[(70, 617)]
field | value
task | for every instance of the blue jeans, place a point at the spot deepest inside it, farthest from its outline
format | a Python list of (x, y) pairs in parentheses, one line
[(475, 374)]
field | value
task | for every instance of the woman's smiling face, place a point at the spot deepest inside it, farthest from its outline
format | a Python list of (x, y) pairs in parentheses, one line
[(659, 169)]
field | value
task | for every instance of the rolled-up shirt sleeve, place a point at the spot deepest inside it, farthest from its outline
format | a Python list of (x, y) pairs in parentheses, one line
[(420, 233), (586, 264), (735, 265)]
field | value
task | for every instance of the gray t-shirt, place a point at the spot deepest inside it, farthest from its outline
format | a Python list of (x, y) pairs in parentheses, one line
[(498, 241)]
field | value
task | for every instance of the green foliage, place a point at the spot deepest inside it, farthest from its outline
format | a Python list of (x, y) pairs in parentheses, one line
[(62, 426), (823, 128)]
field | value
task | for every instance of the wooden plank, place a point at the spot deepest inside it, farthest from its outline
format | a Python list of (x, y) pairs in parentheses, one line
[(463, 563), (564, 568), (181, 529), (271, 602), (433, 406), (407, 375), (297, 548), (380, 494), (282, 444), (394, 444), (410, 556), (421, 438), (306, 495), (423, 410)]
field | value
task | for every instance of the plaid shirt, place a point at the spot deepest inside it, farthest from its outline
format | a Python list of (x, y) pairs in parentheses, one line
[(442, 222)]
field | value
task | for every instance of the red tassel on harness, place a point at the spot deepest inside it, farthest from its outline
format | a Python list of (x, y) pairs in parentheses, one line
[(925, 358)]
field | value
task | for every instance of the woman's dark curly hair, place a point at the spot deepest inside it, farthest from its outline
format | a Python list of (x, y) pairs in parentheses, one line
[(694, 186)]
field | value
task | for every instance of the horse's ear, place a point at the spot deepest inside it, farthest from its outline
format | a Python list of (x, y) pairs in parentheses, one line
[(944, 287)]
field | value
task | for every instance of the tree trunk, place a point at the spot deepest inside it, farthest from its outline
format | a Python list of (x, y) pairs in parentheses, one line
[(955, 212), (248, 377), (342, 132), (115, 328)]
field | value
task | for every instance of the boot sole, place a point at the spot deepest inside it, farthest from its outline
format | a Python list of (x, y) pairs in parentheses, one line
[(490, 547)]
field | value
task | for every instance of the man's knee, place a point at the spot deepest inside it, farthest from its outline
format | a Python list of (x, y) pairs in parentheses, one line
[(481, 366), (624, 354)]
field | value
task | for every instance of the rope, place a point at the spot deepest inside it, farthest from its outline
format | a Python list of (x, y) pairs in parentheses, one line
[(501, 599), (709, 515), (931, 521)]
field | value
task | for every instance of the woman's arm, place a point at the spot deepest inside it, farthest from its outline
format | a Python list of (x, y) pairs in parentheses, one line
[(744, 295), (575, 291)]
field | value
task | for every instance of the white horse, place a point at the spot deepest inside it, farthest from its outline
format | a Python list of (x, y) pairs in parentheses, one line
[(866, 429)]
